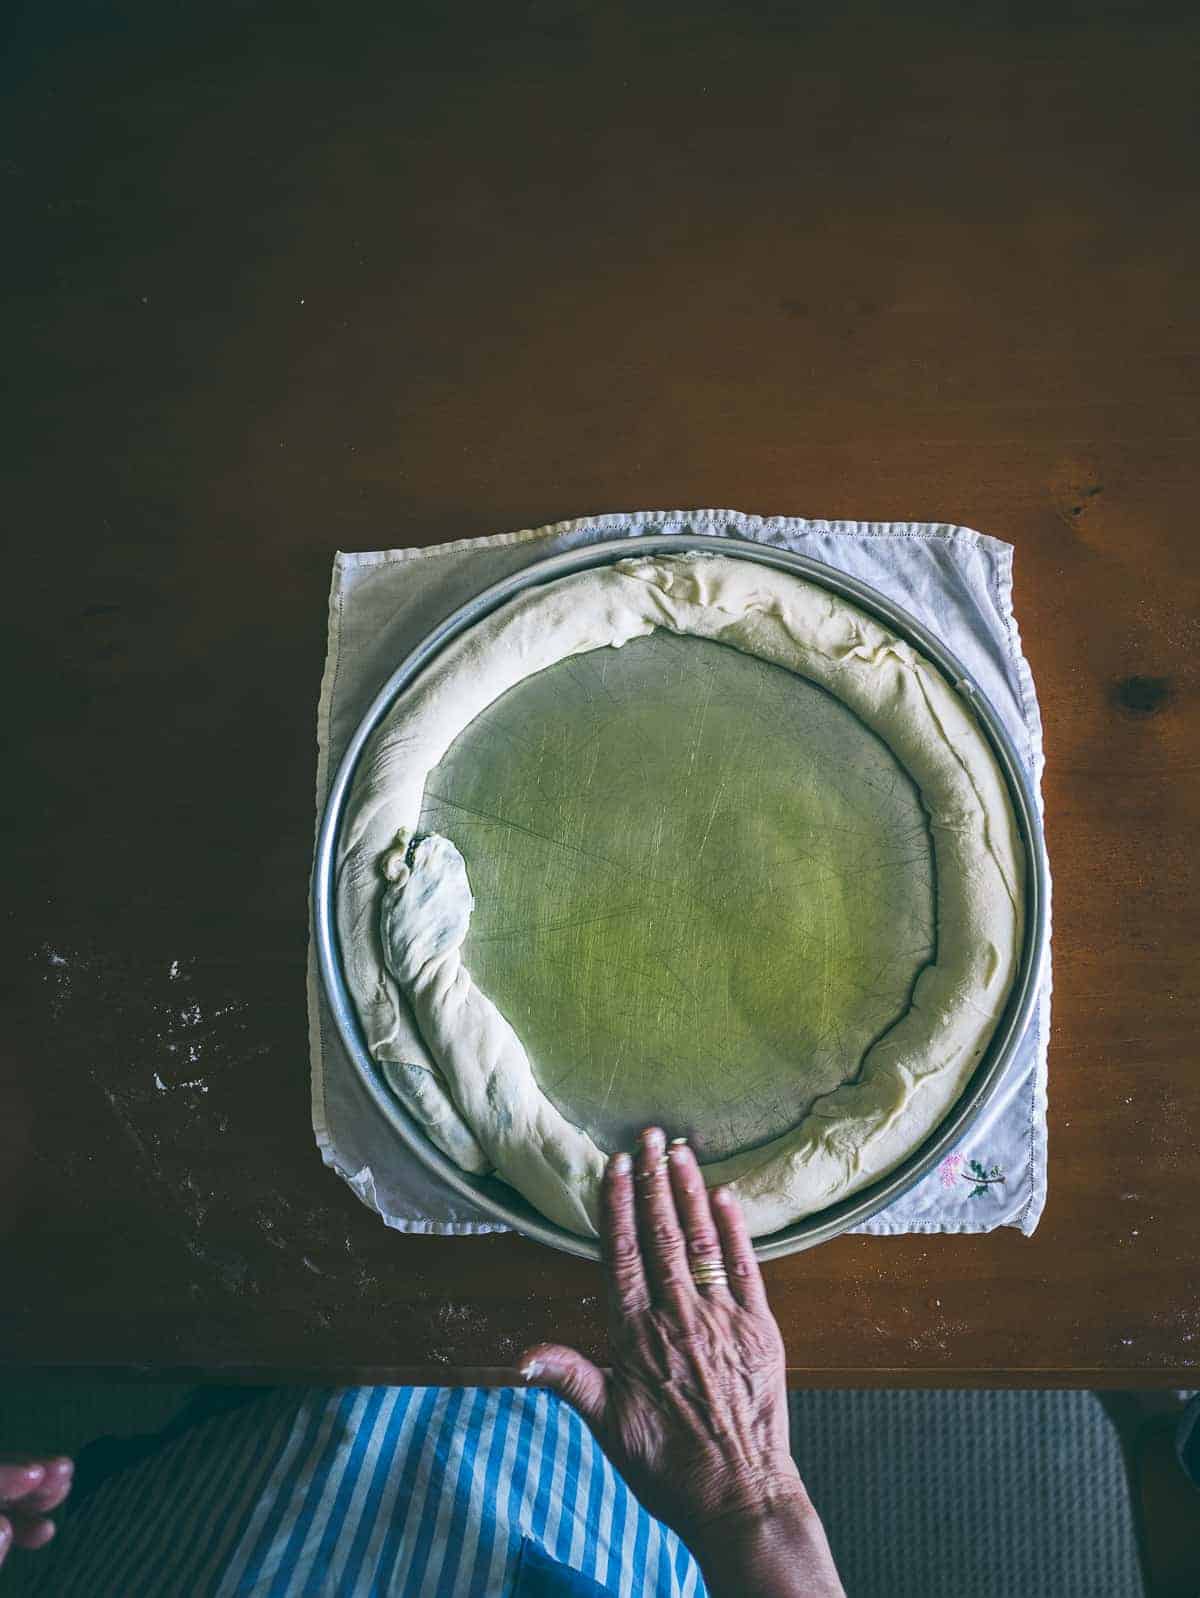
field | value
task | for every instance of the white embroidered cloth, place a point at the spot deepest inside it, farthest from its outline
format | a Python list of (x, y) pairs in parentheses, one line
[(958, 582)]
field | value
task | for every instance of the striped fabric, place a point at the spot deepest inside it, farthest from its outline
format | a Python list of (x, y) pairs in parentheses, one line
[(373, 1491)]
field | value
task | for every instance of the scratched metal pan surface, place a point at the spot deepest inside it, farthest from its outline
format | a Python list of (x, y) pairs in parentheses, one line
[(703, 888)]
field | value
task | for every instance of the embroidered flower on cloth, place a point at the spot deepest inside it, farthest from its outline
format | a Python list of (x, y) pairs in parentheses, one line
[(949, 1169), (981, 1177)]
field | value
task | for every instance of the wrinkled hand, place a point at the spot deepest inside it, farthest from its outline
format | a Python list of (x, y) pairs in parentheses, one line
[(29, 1489), (694, 1410)]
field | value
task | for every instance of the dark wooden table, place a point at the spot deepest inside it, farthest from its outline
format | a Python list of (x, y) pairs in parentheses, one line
[(285, 282)]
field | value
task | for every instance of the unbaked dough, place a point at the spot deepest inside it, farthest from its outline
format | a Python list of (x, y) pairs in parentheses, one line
[(404, 902)]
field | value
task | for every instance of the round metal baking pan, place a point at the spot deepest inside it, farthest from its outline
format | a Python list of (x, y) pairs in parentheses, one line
[(495, 1198)]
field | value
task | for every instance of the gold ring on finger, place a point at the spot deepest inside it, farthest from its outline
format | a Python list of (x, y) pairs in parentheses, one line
[(709, 1274)]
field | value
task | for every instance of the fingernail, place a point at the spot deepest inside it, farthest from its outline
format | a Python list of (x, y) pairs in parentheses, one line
[(5, 1535), (620, 1163), (722, 1195), (654, 1139), (33, 1473), (531, 1369), (679, 1147)]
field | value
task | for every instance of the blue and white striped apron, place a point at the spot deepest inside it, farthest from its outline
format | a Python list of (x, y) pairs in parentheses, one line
[(373, 1491)]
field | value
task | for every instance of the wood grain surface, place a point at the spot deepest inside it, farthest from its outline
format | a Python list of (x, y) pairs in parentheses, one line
[(284, 279)]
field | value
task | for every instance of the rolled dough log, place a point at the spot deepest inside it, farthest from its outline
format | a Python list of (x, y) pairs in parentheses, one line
[(404, 904)]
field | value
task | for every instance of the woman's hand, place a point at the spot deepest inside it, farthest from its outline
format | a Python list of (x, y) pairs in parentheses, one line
[(694, 1410), (29, 1489)]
